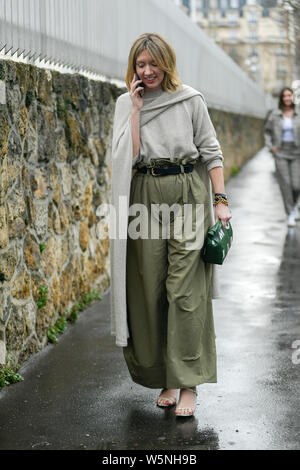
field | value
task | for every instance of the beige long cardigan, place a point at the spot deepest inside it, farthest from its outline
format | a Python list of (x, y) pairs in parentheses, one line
[(122, 161)]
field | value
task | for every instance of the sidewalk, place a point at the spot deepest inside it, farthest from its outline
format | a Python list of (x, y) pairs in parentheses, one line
[(78, 394)]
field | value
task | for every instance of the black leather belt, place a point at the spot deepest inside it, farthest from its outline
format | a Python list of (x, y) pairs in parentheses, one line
[(166, 170)]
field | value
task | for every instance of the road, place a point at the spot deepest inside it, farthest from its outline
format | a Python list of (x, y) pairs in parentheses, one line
[(78, 394)]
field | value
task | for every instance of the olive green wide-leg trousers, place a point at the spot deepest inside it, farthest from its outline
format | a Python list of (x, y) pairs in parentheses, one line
[(169, 304)]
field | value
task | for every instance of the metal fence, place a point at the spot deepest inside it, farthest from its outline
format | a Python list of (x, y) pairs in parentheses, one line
[(96, 36)]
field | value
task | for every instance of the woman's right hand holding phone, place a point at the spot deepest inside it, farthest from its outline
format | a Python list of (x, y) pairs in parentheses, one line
[(137, 100)]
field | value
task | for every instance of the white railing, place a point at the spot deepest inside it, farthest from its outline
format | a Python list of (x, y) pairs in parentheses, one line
[(96, 36)]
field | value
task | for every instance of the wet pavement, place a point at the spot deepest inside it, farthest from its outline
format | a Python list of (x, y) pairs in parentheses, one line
[(78, 394)]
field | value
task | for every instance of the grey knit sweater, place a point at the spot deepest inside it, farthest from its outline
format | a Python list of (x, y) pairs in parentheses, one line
[(185, 129)]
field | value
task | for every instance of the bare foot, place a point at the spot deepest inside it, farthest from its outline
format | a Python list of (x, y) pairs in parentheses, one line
[(166, 395), (187, 402)]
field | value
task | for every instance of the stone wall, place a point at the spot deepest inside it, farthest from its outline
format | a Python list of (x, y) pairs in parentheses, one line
[(240, 137), (54, 135), (55, 140)]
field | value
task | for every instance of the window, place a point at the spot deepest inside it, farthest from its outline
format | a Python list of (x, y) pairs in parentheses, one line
[(265, 12), (253, 35), (223, 4), (252, 18), (199, 4), (213, 4), (281, 51), (234, 3), (232, 18)]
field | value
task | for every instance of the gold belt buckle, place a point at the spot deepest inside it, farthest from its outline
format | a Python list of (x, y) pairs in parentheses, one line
[(153, 174)]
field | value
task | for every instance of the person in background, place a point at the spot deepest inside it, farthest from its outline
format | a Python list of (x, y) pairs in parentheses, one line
[(282, 137)]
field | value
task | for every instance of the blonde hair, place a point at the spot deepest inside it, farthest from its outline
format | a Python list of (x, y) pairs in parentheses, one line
[(163, 54)]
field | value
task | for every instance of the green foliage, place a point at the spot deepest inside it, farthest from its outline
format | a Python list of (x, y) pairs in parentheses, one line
[(42, 299), (234, 170), (90, 296), (42, 247), (56, 329), (8, 376), (85, 300), (72, 316), (61, 323), (52, 334)]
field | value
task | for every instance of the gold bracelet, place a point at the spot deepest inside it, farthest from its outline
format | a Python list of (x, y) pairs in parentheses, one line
[(220, 199)]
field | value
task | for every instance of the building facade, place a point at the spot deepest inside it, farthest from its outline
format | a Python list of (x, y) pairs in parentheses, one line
[(259, 35)]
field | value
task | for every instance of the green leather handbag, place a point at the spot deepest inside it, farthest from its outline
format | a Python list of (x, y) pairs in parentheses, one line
[(217, 243)]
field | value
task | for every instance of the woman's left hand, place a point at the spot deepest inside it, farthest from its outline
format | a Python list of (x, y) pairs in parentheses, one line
[(222, 212)]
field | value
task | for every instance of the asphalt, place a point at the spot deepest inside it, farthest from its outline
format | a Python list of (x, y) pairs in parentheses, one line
[(78, 394)]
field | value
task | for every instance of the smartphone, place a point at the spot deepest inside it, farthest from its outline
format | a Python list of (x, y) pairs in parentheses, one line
[(140, 84)]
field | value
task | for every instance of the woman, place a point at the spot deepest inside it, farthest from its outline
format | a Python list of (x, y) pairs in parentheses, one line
[(164, 320), (282, 137)]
